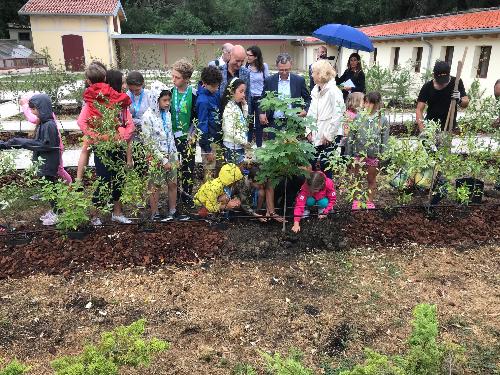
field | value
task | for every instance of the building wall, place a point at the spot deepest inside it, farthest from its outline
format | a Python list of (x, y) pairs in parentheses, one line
[(156, 54), (385, 55), (47, 32)]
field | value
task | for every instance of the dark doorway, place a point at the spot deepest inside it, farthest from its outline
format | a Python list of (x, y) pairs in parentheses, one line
[(74, 54)]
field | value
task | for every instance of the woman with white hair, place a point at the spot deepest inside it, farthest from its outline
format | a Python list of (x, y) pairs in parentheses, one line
[(326, 110)]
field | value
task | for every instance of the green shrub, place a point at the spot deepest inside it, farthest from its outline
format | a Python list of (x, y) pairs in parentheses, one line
[(124, 346), (14, 368), (289, 365)]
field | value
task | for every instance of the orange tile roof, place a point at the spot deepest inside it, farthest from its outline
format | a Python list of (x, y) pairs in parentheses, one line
[(68, 7), (484, 19)]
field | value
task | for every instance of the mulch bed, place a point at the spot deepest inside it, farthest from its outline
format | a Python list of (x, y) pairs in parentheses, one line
[(109, 247)]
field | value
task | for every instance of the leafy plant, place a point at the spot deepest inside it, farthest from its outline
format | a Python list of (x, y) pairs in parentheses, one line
[(286, 155), (124, 346), (243, 369), (289, 365), (14, 368)]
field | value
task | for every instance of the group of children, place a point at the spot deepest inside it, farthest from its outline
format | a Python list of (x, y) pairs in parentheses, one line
[(170, 122)]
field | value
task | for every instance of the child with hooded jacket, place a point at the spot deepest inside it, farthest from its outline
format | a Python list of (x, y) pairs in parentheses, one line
[(212, 196), (158, 136), (45, 145), (318, 190)]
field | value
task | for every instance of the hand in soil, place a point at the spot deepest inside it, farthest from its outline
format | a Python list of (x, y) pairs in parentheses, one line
[(233, 203), (296, 227)]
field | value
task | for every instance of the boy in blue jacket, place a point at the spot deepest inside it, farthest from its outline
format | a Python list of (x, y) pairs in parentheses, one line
[(209, 123)]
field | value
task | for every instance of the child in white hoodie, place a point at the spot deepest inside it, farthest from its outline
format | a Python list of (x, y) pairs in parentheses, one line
[(234, 110)]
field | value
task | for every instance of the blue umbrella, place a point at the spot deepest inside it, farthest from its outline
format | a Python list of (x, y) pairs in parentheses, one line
[(345, 36)]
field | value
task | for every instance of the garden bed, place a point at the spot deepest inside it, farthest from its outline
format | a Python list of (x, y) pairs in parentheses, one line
[(191, 242)]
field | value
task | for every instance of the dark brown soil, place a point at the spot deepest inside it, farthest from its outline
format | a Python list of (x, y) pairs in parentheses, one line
[(116, 247), (192, 242)]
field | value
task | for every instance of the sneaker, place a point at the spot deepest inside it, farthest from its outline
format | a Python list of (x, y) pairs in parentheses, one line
[(176, 216), (370, 205), (96, 222), (306, 213), (320, 211), (156, 216), (49, 221), (47, 215), (355, 205), (120, 219)]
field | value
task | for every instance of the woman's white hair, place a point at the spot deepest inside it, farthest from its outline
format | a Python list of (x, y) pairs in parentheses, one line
[(324, 69)]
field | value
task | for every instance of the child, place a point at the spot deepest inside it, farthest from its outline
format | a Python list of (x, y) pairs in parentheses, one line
[(89, 121), (157, 133), (207, 109), (212, 195), (183, 115), (139, 96), (253, 193), (45, 145), (95, 73), (353, 103), (366, 141), (318, 189), (234, 125), (36, 121)]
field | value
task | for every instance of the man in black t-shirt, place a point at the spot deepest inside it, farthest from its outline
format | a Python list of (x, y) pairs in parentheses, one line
[(437, 95)]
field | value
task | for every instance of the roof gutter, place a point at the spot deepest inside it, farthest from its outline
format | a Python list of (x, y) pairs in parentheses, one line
[(429, 58), (436, 34)]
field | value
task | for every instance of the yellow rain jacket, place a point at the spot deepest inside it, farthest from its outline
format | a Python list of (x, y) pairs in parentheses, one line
[(210, 191)]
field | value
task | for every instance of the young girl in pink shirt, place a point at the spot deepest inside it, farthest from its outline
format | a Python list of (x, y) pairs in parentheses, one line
[(317, 190)]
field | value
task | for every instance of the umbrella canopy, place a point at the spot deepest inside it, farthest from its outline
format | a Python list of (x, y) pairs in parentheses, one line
[(345, 36)]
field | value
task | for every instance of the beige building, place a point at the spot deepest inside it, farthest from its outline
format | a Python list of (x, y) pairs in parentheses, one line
[(146, 51), (424, 40), (73, 33)]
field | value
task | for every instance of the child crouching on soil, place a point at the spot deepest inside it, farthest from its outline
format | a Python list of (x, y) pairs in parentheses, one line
[(317, 190), (45, 145), (158, 135), (366, 141), (214, 195)]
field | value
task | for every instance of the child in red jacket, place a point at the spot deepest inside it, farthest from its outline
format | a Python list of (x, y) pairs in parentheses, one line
[(317, 190)]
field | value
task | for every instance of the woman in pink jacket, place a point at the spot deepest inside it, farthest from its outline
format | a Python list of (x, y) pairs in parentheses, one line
[(317, 190)]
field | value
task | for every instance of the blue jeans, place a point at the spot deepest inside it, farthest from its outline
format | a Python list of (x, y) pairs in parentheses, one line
[(235, 156)]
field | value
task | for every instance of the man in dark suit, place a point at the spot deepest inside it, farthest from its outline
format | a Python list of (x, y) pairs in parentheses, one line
[(285, 84)]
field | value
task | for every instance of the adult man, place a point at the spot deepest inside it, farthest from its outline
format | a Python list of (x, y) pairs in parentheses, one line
[(224, 58), (285, 84), (438, 94), (234, 68), (322, 54)]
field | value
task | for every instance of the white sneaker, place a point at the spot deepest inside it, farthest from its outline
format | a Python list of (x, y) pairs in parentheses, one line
[(120, 219), (96, 221), (47, 215), (49, 221), (306, 213), (320, 211)]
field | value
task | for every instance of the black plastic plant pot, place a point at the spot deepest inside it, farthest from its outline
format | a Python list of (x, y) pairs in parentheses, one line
[(18, 239), (77, 234), (475, 186)]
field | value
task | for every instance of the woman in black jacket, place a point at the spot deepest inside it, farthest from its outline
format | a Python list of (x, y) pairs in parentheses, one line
[(353, 73)]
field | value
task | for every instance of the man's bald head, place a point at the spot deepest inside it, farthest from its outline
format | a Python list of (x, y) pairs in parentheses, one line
[(238, 55), (226, 51)]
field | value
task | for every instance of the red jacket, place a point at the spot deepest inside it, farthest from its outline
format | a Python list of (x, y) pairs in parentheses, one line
[(103, 94), (304, 193)]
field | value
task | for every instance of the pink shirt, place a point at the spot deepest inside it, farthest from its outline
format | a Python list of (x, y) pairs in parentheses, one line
[(328, 192)]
